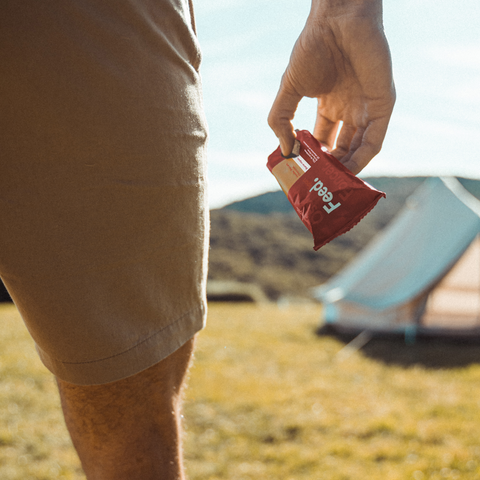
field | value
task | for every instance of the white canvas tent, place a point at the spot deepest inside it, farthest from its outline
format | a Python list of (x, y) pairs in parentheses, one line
[(422, 273)]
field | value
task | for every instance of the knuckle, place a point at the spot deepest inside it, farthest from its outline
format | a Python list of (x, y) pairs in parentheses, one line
[(272, 121)]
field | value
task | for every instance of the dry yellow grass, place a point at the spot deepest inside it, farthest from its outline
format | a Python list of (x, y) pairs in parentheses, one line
[(269, 399), (34, 443)]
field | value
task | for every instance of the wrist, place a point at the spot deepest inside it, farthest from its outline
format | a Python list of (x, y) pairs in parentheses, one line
[(323, 10)]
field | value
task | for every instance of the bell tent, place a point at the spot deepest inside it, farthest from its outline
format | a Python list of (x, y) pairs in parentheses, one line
[(421, 274)]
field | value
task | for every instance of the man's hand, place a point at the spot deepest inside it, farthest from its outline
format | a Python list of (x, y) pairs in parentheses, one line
[(342, 59)]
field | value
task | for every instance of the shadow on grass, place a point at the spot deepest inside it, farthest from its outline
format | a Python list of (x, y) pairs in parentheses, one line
[(435, 353), (428, 353)]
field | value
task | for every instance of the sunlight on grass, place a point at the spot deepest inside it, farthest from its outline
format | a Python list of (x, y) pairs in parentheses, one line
[(267, 398), (270, 399), (34, 443)]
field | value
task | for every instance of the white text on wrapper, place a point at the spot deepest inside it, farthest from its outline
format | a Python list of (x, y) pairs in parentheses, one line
[(327, 196)]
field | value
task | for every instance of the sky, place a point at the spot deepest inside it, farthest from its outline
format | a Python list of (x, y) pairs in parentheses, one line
[(435, 126)]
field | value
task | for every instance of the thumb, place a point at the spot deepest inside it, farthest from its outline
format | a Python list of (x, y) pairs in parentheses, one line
[(281, 116)]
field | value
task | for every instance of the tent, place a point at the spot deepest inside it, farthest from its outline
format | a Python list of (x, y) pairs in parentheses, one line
[(421, 274)]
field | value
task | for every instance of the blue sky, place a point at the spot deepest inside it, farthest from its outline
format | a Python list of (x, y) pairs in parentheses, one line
[(435, 127)]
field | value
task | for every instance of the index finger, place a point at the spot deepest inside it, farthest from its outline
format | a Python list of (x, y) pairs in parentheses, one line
[(281, 116)]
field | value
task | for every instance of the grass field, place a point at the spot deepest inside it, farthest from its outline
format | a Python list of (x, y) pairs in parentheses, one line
[(268, 399)]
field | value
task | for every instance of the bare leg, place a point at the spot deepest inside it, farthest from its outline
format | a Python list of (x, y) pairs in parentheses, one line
[(130, 429)]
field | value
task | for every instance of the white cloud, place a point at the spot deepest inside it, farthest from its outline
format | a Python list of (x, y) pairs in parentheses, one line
[(458, 56), (416, 145), (467, 91), (439, 129)]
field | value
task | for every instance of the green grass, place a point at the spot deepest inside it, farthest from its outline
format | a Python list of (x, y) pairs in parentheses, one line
[(267, 398)]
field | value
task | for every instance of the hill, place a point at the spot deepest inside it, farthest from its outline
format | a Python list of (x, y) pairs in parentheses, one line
[(262, 241)]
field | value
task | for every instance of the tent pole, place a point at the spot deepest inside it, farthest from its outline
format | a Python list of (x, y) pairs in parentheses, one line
[(411, 334)]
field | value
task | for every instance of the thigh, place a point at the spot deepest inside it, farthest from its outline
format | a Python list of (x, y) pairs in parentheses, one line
[(103, 216)]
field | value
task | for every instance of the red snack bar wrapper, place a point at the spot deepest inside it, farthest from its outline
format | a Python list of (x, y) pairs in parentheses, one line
[(327, 197)]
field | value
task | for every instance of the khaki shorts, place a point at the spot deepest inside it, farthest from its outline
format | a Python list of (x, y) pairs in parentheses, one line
[(103, 215)]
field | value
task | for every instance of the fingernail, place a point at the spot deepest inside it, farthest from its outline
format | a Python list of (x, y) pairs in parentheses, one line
[(295, 150)]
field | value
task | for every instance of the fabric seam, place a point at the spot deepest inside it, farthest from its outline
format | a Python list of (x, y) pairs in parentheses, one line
[(137, 344)]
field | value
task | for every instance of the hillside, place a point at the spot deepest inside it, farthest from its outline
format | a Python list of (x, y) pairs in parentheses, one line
[(262, 241)]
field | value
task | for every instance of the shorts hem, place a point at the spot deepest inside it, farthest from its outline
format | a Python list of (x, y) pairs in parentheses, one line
[(132, 361)]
